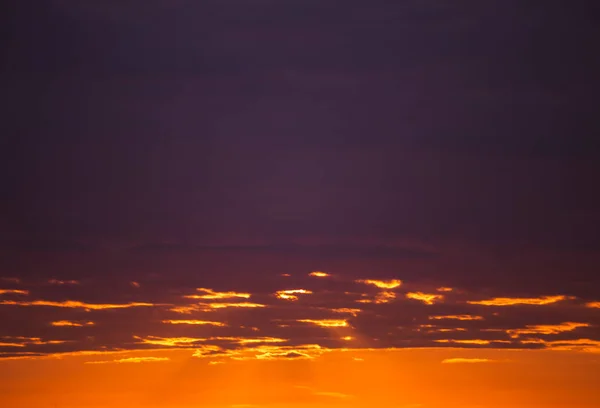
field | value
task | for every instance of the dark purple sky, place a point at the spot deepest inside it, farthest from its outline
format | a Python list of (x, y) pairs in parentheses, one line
[(221, 143)]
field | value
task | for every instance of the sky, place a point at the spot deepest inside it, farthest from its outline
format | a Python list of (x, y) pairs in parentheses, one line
[(308, 204)]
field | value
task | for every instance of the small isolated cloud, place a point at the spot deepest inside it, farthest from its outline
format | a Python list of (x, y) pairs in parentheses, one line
[(326, 322), (195, 322), (466, 360), (427, 298), (130, 360), (593, 305), (135, 284), (456, 317), (507, 301), (381, 284), (291, 294), (13, 292), (319, 274), (211, 294), (68, 323)]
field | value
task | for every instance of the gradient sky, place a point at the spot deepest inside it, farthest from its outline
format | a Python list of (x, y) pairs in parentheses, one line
[(260, 203)]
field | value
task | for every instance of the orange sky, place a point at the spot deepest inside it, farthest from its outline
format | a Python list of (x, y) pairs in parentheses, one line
[(408, 378)]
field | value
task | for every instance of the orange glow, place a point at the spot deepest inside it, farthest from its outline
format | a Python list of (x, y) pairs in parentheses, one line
[(506, 301), (444, 289), (594, 305), (242, 305), (427, 298), (273, 377)]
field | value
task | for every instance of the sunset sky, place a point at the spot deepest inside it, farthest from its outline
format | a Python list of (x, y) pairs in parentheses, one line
[(299, 203)]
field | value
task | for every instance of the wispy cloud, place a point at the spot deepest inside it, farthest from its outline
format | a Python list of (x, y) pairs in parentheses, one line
[(427, 298), (196, 322), (13, 292), (381, 284), (291, 294), (326, 322), (131, 360), (75, 304), (68, 323), (318, 274), (546, 329), (211, 294), (466, 360), (508, 301), (456, 317)]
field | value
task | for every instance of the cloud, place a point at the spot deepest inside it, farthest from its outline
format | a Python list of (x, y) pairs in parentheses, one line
[(13, 292), (169, 341), (318, 274), (381, 284), (456, 317), (132, 360), (291, 294), (211, 294), (68, 323), (466, 360), (593, 305), (74, 304), (427, 298), (546, 329), (507, 301), (196, 322), (326, 322)]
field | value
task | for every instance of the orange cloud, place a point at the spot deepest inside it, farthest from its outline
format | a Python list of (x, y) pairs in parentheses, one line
[(132, 360), (5, 344), (326, 322), (134, 284), (444, 289), (427, 298), (506, 301), (546, 329), (13, 292), (241, 304), (195, 322), (466, 360), (456, 317), (385, 297), (169, 341), (351, 311), (318, 274), (75, 304), (291, 294), (381, 284), (593, 305), (68, 323), (211, 294)]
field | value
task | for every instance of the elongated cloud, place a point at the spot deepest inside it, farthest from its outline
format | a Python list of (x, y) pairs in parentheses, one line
[(211, 294), (381, 284), (593, 305), (168, 341), (196, 322), (506, 301), (63, 282), (132, 360), (318, 274), (291, 294), (68, 323), (326, 322), (546, 329), (427, 298), (13, 292), (444, 289), (75, 304), (470, 341), (456, 317), (249, 305), (466, 360)]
